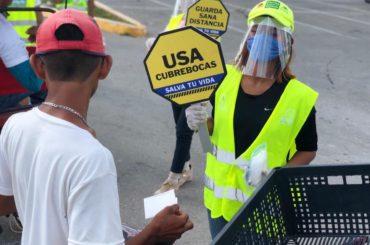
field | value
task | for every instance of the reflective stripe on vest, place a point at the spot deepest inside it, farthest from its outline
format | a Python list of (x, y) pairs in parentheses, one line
[(220, 192), (225, 175), (229, 158)]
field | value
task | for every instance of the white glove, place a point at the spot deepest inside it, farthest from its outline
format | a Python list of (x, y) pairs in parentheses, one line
[(257, 169), (149, 42), (196, 114)]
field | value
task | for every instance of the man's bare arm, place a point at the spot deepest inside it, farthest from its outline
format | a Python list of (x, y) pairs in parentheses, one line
[(167, 226), (7, 205)]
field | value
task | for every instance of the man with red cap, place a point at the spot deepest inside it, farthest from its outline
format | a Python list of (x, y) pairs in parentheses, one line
[(53, 170)]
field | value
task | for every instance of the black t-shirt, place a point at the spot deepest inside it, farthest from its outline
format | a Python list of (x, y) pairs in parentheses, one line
[(252, 112)]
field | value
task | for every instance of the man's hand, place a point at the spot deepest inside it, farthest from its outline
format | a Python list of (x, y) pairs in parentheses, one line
[(7, 205), (166, 227), (32, 33), (170, 224)]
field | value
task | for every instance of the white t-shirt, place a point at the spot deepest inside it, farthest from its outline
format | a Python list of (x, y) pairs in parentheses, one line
[(12, 49), (63, 180)]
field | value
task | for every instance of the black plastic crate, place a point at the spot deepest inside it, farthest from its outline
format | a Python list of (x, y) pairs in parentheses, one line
[(305, 205)]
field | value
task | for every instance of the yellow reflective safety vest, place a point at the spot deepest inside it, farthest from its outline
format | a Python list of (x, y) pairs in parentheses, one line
[(225, 187), (174, 22), (23, 20), (74, 4)]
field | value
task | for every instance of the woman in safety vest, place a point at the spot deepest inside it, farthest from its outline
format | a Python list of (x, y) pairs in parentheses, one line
[(181, 171), (26, 23), (263, 117)]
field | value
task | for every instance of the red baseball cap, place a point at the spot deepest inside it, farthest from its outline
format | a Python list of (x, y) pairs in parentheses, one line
[(91, 40)]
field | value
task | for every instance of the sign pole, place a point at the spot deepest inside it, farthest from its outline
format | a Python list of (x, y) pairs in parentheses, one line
[(204, 138), (176, 8)]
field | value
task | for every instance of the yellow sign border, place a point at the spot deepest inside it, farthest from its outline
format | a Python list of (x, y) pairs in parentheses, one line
[(202, 29)]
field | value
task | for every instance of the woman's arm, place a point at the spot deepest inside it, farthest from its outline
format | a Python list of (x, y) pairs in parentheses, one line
[(306, 142), (302, 158)]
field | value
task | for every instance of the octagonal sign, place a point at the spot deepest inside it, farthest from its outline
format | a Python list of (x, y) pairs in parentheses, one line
[(209, 16), (185, 65)]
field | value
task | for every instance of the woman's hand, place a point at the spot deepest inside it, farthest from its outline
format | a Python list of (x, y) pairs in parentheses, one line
[(196, 114)]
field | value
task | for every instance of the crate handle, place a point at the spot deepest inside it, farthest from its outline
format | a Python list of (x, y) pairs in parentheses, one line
[(335, 180), (350, 180), (354, 179)]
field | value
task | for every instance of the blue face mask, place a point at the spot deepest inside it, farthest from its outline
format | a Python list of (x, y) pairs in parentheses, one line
[(263, 47)]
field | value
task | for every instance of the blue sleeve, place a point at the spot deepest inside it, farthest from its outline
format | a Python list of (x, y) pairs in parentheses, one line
[(26, 76)]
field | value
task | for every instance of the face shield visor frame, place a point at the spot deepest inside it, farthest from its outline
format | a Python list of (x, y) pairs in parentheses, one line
[(265, 50)]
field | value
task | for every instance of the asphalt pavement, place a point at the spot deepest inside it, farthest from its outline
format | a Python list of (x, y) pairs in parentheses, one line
[(332, 55)]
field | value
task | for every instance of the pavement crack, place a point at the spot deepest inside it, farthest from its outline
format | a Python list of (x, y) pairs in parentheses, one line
[(328, 76)]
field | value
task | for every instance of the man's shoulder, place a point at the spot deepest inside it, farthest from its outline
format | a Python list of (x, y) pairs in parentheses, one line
[(17, 119), (2, 20), (95, 150), (89, 153), (5, 27), (12, 49), (89, 163)]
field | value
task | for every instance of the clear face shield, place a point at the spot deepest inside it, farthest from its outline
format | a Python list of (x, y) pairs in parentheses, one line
[(265, 50), (181, 6)]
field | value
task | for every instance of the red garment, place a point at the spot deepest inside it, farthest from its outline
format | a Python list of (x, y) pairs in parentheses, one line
[(8, 84)]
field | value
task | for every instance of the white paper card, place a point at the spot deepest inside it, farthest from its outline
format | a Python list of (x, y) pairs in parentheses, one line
[(154, 204)]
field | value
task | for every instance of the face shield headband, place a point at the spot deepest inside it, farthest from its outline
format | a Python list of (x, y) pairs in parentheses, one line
[(265, 50)]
